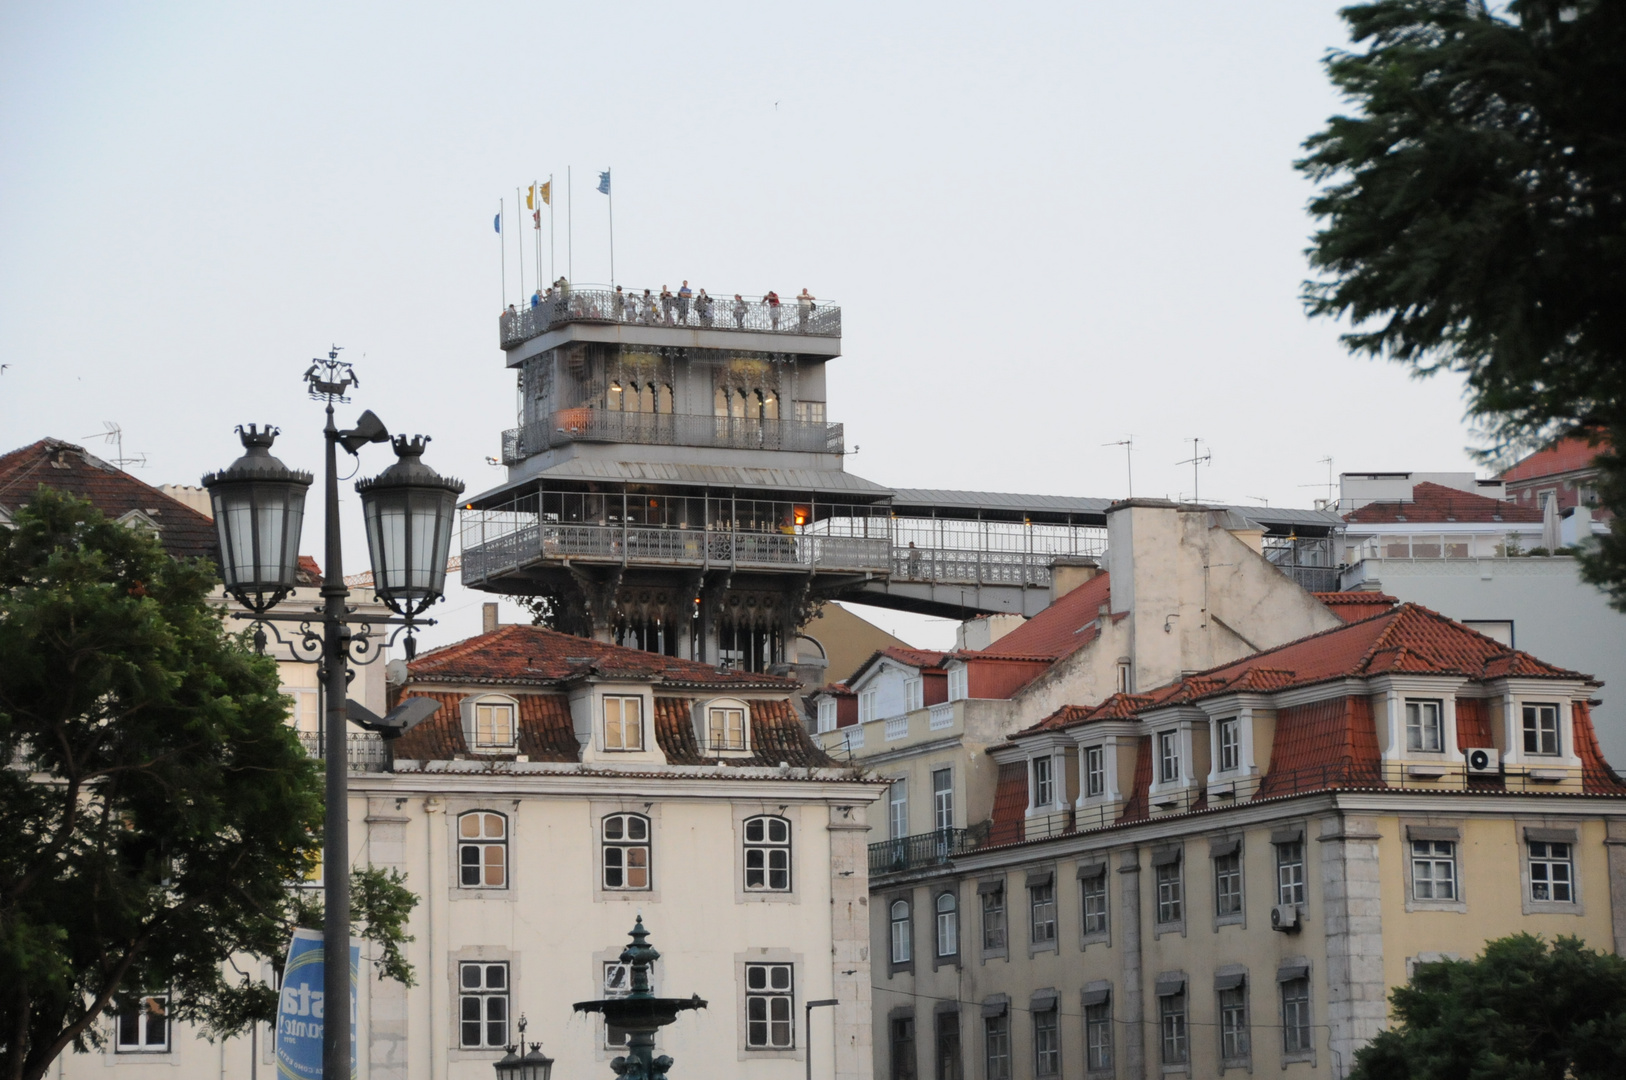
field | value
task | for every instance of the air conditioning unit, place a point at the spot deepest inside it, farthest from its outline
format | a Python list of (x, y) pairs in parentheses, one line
[(1285, 917), (1483, 760)]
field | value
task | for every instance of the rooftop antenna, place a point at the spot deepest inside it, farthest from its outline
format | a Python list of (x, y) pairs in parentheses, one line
[(113, 434), (1197, 458), (1128, 443), (1330, 502)]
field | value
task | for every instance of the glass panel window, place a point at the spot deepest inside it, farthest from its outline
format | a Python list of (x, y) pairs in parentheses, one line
[(948, 1047), (1046, 1044), (770, 1007), (1171, 1018), (493, 726), (626, 851), (1044, 790), (1290, 873), (623, 723), (1042, 902), (827, 715), (482, 850), (1233, 1010), (1296, 1016), (1228, 884), (1093, 894), (1095, 771), (1552, 873), (948, 925), (618, 984), (902, 1031), (993, 920), (898, 809), (958, 684), (943, 798), (1424, 731), (902, 932), (482, 1005), (866, 705), (725, 728), (1168, 757), (996, 1038), (1541, 729), (1230, 744), (914, 694), (1170, 893), (767, 854), (1433, 870), (1098, 1037), (142, 1026)]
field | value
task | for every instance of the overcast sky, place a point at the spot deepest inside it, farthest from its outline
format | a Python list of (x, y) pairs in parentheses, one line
[(1049, 227)]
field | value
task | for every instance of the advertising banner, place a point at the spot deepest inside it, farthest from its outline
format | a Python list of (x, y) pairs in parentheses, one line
[(301, 1011)]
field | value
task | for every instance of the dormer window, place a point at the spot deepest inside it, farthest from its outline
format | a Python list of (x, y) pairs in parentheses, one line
[(959, 683), (623, 723), (725, 727), (494, 726), (1230, 744), (1095, 771), (914, 694), (1425, 730), (1044, 786), (866, 705), (1168, 757), (827, 715), (1541, 730)]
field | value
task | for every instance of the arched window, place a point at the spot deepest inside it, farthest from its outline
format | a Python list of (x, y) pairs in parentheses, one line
[(626, 851), (482, 850), (767, 854), (902, 932), (948, 925)]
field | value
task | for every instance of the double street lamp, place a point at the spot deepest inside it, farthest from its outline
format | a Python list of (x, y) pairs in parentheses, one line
[(408, 511)]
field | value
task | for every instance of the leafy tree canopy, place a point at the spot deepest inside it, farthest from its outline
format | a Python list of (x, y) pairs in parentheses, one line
[(157, 804), (1521, 1011), (1473, 216)]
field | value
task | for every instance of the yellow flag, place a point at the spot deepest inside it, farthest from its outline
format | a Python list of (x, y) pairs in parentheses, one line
[(546, 191), (530, 195)]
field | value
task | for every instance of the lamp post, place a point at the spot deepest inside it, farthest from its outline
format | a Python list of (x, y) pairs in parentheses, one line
[(807, 1026), (519, 1065), (259, 508)]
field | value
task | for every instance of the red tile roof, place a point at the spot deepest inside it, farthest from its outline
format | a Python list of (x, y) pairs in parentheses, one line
[(778, 735), (535, 656), (1566, 455), (923, 659), (1597, 778), (184, 532), (1060, 629), (1323, 744), (1355, 606), (545, 732), (1138, 805), (1010, 803), (1432, 503)]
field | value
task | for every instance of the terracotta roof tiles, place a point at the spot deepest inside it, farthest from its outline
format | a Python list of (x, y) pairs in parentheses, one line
[(1566, 455), (1060, 629), (1355, 606), (1432, 502)]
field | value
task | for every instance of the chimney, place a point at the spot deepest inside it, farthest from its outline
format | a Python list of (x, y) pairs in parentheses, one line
[(488, 618)]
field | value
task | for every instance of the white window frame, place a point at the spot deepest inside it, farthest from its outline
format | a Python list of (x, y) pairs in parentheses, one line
[(1290, 888), (1418, 721), (867, 705), (1540, 711), (943, 798), (1093, 903), (897, 796), (947, 924), (993, 908), (732, 739), (827, 715), (1550, 860), (1230, 744), (1236, 1040), (914, 694), (1298, 1022), (1042, 914), (625, 845), (1228, 870), (765, 848), (1171, 892), (1098, 1038), (484, 995), (144, 1014), (481, 844), (764, 993), (1095, 771), (1429, 859), (1174, 1034), (1169, 753), (959, 682), (902, 923), (1043, 771), (492, 708), (620, 744)]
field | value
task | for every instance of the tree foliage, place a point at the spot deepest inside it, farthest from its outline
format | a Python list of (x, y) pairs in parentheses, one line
[(1520, 1011), (157, 804), (1473, 216)]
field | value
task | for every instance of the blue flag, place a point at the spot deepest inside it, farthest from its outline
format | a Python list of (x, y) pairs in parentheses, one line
[(496, 222), (604, 181)]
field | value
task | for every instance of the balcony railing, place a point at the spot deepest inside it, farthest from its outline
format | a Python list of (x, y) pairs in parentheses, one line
[(364, 752), (897, 727), (599, 304), (669, 429), (942, 716), (918, 851)]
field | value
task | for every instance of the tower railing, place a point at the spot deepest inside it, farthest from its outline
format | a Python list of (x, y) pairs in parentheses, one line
[(599, 304), (669, 429)]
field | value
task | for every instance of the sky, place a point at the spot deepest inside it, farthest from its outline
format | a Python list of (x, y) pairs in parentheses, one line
[(1049, 226)]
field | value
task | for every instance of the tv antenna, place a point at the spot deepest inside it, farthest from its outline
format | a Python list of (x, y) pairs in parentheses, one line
[(1331, 501), (1197, 458), (1128, 443), (112, 434)]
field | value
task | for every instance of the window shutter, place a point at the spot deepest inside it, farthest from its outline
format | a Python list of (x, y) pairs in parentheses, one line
[(986, 887), (1096, 994), (997, 1005), (1169, 985), (1091, 869), (1039, 878), (1433, 832), (1218, 849), (1289, 972), (1290, 835), (467, 706), (1043, 1000), (1229, 980), (1550, 836)]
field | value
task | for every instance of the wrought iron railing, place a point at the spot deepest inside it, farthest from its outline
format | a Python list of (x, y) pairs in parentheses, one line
[(599, 304), (972, 567), (364, 752), (918, 851), (669, 429)]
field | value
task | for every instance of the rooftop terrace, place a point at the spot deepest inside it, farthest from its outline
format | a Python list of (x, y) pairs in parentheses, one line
[(601, 304)]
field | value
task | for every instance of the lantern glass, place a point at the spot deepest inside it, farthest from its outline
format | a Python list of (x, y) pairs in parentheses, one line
[(536, 1065), (259, 510), (509, 1067), (409, 510)]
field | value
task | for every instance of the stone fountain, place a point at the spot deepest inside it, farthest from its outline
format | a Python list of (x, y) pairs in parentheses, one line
[(640, 1013)]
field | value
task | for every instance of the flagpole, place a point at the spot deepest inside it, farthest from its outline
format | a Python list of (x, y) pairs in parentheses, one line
[(520, 251), (611, 196), (536, 235), (570, 235), (502, 253), (551, 268)]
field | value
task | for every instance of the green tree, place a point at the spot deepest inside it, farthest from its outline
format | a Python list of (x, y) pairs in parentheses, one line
[(157, 803), (1520, 1011), (1473, 215)]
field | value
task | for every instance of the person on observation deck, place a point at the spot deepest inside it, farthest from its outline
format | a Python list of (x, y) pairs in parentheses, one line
[(683, 297), (618, 305), (739, 311), (772, 300), (668, 304), (536, 297), (804, 308), (650, 313), (702, 308)]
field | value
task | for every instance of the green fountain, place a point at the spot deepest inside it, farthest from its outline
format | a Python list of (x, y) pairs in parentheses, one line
[(640, 1013)]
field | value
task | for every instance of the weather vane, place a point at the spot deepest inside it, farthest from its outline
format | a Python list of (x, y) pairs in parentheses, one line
[(331, 379)]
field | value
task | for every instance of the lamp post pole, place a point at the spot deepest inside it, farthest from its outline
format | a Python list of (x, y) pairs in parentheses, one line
[(807, 1027), (336, 1064)]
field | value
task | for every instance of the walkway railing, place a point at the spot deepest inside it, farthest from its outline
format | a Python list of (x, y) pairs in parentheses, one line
[(599, 304), (669, 429), (364, 752), (918, 851)]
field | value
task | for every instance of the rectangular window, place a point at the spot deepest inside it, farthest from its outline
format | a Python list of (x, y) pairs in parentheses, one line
[(1095, 771), (1233, 1010), (1044, 791), (482, 1006), (618, 984), (1093, 893), (914, 694), (1424, 731), (1230, 744), (902, 1030), (493, 726), (1433, 870), (943, 798), (1296, 1015), (1098, 1037), (1170, 893), (1552, 874), (1124, 680), (1290, 872), (1042, 902), (993, 921), (1171, 1015), (866, 706), (996, 1038), (827, 715), (959, 683), (767, 854), (1046, 1043), (725, 729), (1228, 884), (623, 723), (948, 1046), (1168, 757), (948, 924), (898, 808), (625, 848), (1541, 729), (770, 1007), (142, 1026)]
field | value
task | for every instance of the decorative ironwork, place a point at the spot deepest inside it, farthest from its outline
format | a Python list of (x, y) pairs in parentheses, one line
[(920, 850), (669, 429), (599, 304), (331, 379), (363, 752)]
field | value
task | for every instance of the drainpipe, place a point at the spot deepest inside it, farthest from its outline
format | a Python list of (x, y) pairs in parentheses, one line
[(437, 1054)]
